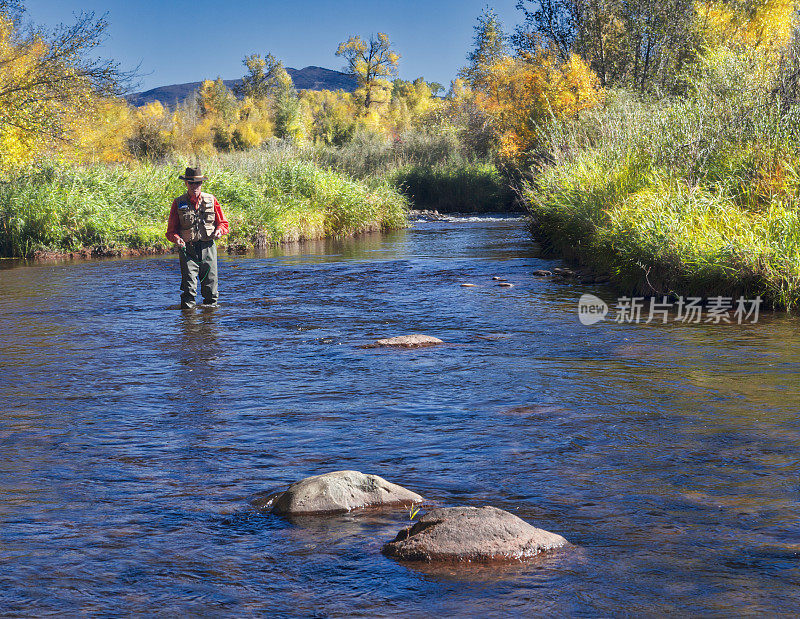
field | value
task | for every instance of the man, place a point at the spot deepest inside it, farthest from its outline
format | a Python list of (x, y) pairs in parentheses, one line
[(195, 222)]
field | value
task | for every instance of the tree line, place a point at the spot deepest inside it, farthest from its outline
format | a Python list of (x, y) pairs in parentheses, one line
[(561, 60)]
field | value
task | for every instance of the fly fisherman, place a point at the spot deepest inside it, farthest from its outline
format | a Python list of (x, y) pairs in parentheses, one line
[(195, 222)]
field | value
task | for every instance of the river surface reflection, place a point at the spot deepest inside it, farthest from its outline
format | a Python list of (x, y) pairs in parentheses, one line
[(132, 436)]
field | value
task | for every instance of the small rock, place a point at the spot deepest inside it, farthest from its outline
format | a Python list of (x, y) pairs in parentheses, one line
[(542, 273), (416, 340), (498, 279), (468, 285), (471, 534), (564, 272), (339, 491), (506, 285)]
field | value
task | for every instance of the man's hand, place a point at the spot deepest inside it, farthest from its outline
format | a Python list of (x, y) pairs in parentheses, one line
[(180, 242), (217, 233)]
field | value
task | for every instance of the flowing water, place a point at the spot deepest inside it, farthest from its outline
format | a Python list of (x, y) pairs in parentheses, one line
[(132, 437)]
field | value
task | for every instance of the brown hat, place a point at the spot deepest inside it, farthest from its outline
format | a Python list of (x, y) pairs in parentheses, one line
[(193, 175)]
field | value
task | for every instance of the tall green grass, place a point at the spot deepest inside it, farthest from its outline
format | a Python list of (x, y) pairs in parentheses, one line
[(372, 156), (268, 199), (697, 195), (434, 171), (467, 188)]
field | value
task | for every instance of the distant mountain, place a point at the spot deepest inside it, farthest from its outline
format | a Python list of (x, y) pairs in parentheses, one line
[(310, 78)]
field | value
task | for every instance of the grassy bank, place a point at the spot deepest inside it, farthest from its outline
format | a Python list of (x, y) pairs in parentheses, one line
[(267, 199), (467, 188), (434, 171), (697, 195)]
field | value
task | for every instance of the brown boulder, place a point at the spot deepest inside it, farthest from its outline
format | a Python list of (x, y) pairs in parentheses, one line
[(471, 534), (339, 491)]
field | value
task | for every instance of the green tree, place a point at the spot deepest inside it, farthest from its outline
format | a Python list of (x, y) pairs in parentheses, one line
[(491, 46), (436, 88), (371, 62), (288, 112), (640, 43)]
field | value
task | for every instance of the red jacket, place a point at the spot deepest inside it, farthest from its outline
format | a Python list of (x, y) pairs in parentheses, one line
[(174, 223)]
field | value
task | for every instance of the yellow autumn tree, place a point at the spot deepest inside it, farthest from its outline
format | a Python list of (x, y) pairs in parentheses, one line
[(333, 116), (151, 136), (410, 105), (765, 25), (47, 83), (103, 135), (370, 62), (520, 96)]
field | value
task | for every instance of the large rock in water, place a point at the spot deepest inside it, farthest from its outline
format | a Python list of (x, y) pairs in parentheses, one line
[(341, 491), (416, 340), (471, 534)]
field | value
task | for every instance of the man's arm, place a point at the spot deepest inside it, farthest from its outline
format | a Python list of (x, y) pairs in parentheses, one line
[(220, 222), (174, 225)]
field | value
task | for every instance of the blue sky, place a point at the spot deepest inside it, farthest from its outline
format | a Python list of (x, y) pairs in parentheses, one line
[(180, 41)]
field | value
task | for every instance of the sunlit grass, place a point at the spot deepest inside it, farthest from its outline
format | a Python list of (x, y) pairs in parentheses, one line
[(465, 188), (660, 233), (432, 171), (267, 199)]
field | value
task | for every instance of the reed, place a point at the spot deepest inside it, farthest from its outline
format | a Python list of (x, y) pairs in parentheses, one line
[(434, 171), (466, 188)]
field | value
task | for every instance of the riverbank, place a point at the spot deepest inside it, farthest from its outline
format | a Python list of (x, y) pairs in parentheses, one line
[(673, 198), (657, 238), (434, 172), (89, 211)]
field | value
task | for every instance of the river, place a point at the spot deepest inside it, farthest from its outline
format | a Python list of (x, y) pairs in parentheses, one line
[(132, 436)]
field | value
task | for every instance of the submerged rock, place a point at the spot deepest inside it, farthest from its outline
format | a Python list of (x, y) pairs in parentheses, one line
[(506, 285), (498, 279), (425, 215), (471, 534), (542, 273), (339, 491), (468, 285), (416, 340)]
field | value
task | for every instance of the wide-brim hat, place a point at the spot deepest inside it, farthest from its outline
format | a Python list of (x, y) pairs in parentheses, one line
[(193, 175)]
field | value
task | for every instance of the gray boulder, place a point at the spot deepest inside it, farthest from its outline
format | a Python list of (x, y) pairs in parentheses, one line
[(339, 491), (416, 340), (471, 534)]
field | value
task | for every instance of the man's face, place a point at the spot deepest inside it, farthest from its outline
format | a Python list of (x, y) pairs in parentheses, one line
[(193, 189)]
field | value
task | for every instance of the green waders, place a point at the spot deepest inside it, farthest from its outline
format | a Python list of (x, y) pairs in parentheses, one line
[(199, 259)]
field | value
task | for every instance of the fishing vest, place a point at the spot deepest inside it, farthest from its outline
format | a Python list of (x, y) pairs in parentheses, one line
[(197, 224)]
